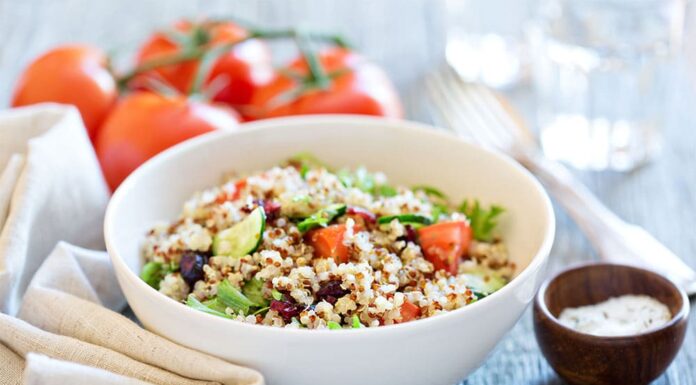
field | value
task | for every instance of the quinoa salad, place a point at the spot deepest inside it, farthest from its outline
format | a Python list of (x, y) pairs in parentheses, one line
[(303, 246)]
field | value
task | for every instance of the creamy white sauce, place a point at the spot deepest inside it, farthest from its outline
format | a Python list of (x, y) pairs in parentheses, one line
[(617, 316)]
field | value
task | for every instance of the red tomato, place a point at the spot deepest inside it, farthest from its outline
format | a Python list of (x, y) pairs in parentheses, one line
[(241, 71), (409, 311), (445, 243), (359, 87), (328, 243), (144, 124), (70, 74)]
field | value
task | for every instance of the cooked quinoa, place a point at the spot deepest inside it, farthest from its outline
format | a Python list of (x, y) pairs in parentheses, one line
[(325, 250)]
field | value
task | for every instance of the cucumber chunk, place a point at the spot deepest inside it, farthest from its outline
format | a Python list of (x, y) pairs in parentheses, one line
[(243, 238), (484, 280), (411, 219)]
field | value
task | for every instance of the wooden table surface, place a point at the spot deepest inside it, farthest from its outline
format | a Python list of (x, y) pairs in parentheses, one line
[(407, 38)]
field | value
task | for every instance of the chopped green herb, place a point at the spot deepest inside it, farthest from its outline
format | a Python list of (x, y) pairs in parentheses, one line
[(194, 303), (431, 191), (364, 180), (322, 217), (231, 297), (301, 198), (482, 221), (346, 177), (304, 162), (263, 310), (215, 304), (154, 272), (278, 296), (439, 210), (333, 325), (356, 322), (253, 290), (386, 191), (360, 179)]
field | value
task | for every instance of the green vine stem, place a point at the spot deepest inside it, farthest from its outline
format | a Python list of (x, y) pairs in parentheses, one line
[(208, 54), (317, 75)]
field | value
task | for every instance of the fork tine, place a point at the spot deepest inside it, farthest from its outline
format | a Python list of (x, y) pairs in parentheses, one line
[(478, 113), (489, 103), (492, 105), (439, 94), (471, 119)]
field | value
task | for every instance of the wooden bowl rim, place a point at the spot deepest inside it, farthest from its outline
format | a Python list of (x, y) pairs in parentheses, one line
[(681, 315)]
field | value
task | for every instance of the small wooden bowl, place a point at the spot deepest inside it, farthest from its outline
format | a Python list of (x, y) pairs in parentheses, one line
[(581, 358)]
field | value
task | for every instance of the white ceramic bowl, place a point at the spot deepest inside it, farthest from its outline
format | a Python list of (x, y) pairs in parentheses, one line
[(439, 350)]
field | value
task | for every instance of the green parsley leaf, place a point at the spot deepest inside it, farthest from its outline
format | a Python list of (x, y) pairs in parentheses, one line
[(356, 322), (304, 162), (253, 290), (322, 218), (278, 296), (482, 221), (194, 303), (386, 191), (154, 272), (432, 191), (231, 297)]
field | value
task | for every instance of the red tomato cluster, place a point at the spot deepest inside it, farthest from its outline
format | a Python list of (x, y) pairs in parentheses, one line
[(154, 108)]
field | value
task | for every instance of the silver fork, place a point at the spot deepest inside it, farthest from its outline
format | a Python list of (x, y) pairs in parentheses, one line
[(477, 114)]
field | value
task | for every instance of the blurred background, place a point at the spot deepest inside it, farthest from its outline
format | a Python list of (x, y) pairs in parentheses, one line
[(608, 85), (562, 62)]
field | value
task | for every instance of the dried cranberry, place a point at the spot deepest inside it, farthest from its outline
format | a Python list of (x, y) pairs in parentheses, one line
[(191, 266), (331, 292), (287, 309), (272, 209), (366, 215), (411, 234)]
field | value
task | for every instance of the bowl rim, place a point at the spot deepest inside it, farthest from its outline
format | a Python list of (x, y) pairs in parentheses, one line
[(681, 315), (536, 262)]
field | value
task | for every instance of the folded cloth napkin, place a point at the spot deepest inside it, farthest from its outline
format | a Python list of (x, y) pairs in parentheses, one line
[(67, 328)]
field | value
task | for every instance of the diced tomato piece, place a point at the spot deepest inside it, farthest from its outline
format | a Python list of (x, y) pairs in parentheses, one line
[(409, 311), (328, 243), (225, 196), (445, 243), (238, 187)]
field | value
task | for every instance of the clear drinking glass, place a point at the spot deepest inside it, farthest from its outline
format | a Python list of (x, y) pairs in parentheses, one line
[(486, 41), (602, 78)]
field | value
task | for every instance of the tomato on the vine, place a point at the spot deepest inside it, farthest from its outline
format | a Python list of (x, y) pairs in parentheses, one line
[(356, 86), (235, 75), (144, 124), (70, 74)]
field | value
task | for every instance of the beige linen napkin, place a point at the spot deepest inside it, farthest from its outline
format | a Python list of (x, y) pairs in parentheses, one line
[(68, 330), (51, 189)]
